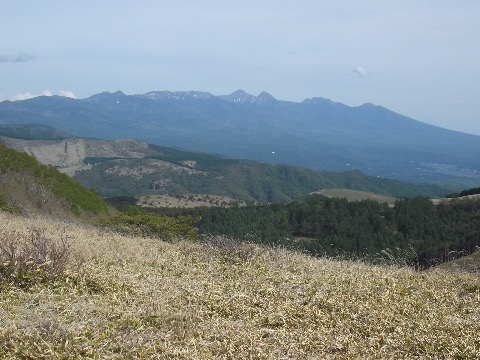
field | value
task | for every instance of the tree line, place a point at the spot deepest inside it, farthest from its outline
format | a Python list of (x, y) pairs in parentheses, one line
[(425, 234)]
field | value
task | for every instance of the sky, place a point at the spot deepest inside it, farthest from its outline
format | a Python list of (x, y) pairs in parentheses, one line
[(420, 58)]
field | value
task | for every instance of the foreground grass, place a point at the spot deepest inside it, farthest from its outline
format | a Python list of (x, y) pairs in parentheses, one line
[(141, 298)]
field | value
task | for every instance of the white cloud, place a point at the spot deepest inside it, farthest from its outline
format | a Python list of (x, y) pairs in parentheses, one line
[(67, 93), (29, 95), (360, 71)]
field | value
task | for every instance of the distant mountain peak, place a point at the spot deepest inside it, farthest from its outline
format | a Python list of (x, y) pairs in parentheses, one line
[(264, 98), (239, 97), (108, 96), (317, 100), (321, 101), (368, 105), (242, 97), (316, 133)]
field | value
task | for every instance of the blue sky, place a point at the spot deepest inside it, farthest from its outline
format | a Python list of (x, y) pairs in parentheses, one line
[(418, 58)]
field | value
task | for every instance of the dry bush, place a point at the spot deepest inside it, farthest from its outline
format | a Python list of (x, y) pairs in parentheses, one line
[(27, 258), (230, 249)]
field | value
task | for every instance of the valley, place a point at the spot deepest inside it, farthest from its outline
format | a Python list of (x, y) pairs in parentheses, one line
[(210, 257), (259, 180), (134, 168)]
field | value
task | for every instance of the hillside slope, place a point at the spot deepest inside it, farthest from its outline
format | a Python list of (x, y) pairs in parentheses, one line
[(147, 299), (317, 133), (34, 188)]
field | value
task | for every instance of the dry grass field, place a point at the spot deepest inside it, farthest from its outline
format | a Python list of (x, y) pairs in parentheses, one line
[(469, 263), (122, 298), (356, 195), (455, 199)]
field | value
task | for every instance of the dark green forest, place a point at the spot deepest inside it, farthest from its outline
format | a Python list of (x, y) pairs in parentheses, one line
[(421, 233), (31, 132), (473, 191)]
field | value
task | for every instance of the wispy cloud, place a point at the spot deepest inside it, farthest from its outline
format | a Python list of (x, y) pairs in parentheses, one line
[(360, 71), (16, 58), (29, 95), (67, 93)]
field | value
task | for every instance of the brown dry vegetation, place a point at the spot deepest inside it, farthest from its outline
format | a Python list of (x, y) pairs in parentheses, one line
[(187, 201), (464, 264), (455, 199), (125, 297)]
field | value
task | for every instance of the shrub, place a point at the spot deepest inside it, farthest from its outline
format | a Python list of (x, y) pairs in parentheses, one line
[(152, 225), (32, 258), (6, 206)]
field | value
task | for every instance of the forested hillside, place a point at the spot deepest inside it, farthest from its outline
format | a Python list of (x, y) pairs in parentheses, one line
[(174, 171), (31, 132)]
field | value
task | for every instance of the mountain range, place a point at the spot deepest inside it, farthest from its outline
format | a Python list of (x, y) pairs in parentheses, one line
[(316, 133)]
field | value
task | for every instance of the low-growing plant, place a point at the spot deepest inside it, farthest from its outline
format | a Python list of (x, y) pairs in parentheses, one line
[(152, 225), (34, 257), (396, 257), (6, 206)]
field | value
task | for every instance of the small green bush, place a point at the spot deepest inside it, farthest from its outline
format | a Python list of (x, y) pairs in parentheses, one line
[(152, 225), (6, 206)]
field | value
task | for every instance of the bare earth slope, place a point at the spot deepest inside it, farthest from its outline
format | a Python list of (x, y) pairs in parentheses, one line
[(69, 154)]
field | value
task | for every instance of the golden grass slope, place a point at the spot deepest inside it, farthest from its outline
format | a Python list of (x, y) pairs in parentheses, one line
[(464, 264), (148, 299)]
